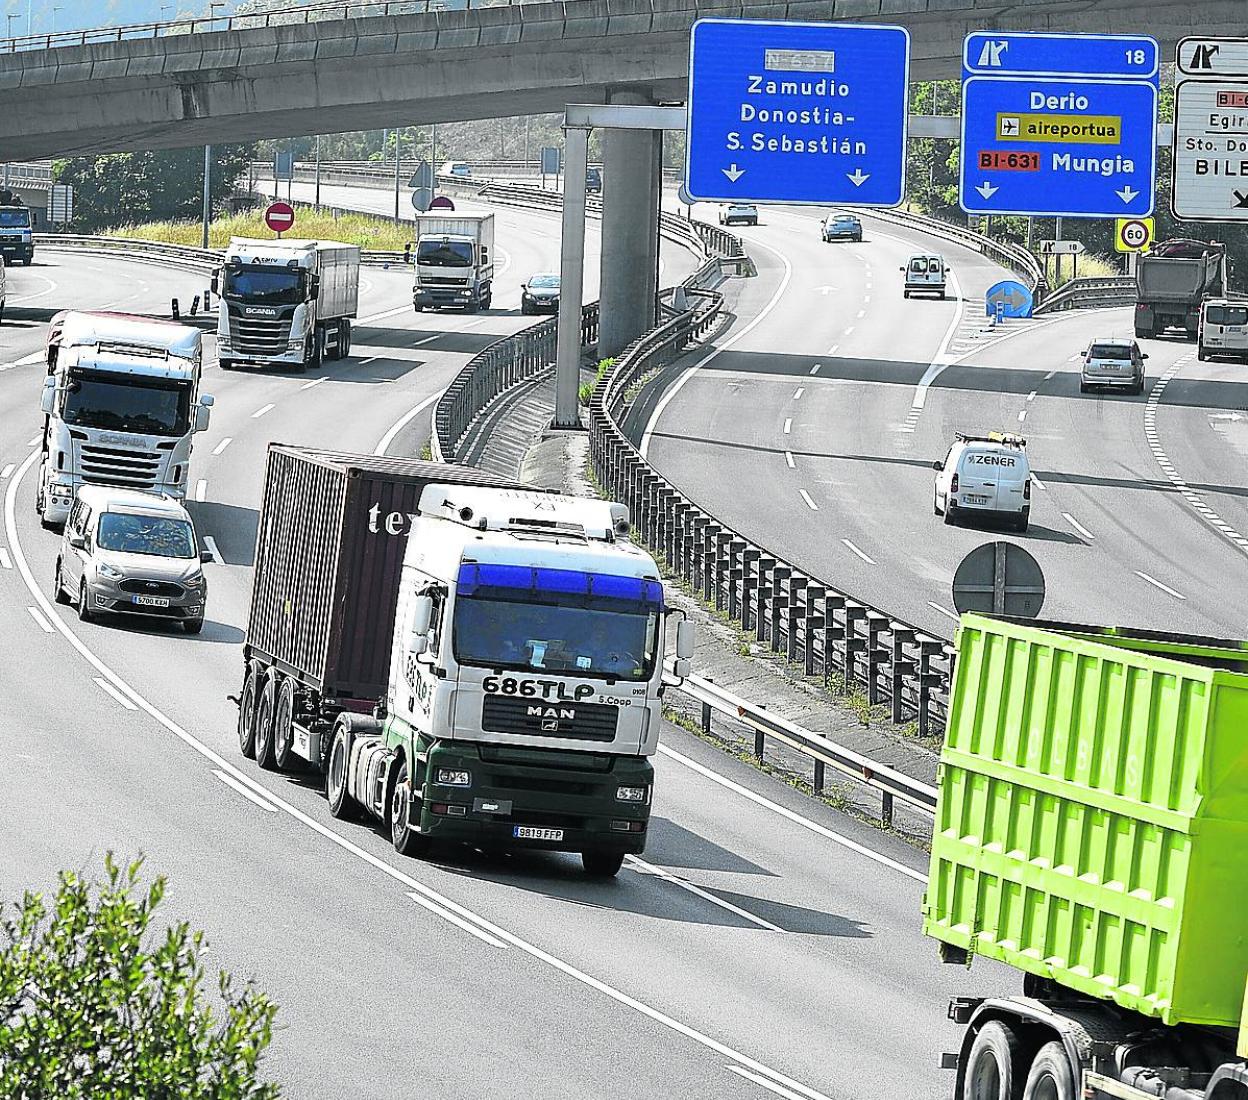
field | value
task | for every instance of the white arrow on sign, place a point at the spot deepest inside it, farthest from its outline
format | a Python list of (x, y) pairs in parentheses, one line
[(1126, 194), (859, 177), (734, 173), (987, 189)]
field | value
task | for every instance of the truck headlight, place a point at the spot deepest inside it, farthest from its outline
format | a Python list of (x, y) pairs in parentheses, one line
[(454, 777), (632, 794)]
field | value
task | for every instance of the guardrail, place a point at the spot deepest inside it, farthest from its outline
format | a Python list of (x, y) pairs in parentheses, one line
[(1118, 290), (482, 170), (141, 248)]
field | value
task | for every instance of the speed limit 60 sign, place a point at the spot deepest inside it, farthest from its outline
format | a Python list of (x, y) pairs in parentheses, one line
[(1133, 234)]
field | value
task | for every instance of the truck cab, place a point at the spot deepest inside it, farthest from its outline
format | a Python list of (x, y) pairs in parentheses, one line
[(17, 228), (454, 262)]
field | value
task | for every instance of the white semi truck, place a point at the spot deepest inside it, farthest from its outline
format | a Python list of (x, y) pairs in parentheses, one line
[(121, 403), (465, 660), (454, 262), (285, 303)]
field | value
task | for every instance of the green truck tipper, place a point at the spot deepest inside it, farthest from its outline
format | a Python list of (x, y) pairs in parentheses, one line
[(1092, 833)]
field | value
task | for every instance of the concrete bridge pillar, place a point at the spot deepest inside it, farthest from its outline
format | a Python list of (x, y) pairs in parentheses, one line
[(631, 177)]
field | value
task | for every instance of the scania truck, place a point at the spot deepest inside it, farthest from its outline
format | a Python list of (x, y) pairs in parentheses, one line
[(454, 262), (121, 403), (1092, 833), (463, 659), (285, 303)]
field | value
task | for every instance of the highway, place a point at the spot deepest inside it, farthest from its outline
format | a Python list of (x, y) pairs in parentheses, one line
[(814, 430), (764, 946)]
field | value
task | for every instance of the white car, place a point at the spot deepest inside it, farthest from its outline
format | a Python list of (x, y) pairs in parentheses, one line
[(738, 213), (925, 273), (1115, 363), (985, 476)]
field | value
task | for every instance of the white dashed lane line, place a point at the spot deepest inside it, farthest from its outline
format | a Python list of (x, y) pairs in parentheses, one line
[(797, 394), (854, 550), (788, 458), (1078, 526), (7, 472), (809, 503), (262, 410), (5, 561), (201, 491), (944, 611), (788, 425), (314, 382), (37, 615), (222, 445), (1156, 583)]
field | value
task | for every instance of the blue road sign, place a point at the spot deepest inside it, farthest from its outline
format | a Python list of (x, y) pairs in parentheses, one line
[(1008, 299), (283, 166), (797, 112), (1066, 146)]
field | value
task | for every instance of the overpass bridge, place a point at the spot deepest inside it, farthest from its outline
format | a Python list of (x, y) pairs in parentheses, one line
[(365, 71)]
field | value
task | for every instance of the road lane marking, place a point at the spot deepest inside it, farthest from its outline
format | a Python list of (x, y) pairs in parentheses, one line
[(314, 382), (6, 562), (370, 359), (1022, 416), (679, 384), (788, 457), (458, 921), (788, 425), (854, 550), (222, 445), (797, 394), (242, 788), (809, 503), (403, 422), (262, 410), (1078, 526), (940, 360), (7, 472), (770, 1086), (849, 331), (794, 817), (867, 297), (383, 315), (211, 543), (38, 616), (1031, 396), (944, 611), (111, 691), (201, 490), (1164, 587), (815, 368), (643, 868), (834, 349), (1037, 483), (33, 442)]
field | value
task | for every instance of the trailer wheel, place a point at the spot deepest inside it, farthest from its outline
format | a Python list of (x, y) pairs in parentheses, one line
[(283, 719), (342, 803), (264, 723), (406, 841), (992, 1069), (247, 709), (1050, 1077), (344, 338)]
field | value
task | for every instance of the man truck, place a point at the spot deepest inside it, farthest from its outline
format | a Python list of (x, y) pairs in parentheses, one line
[(17, 229), (1090, 832), (285, 303), (1173, 280), (454, 262), (462, 659), (121, 405)]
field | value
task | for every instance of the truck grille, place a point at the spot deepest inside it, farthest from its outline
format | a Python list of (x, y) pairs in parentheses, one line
[(441, 280), (259, 335), (152, 588), (538, 718), (113, 466)]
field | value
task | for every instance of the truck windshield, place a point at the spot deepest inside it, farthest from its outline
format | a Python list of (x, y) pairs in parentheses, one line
[(272, 286), (10, 219), (131, 534), (125, 403), (444, 253), (559, 621)]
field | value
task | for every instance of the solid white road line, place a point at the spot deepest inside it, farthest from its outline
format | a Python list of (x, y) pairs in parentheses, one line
[(643, 868), (788, 425), (211, 543), (790, 815), (942, 358), (854, 550), (788, 458), (1164, 587), (262, 410), (1078, 526), (117, 697), (7, 472), (459, 922), (314, 382), (6, 562), (770, 1086), (679, 384), (244, 790), (201, 490), (809, 503), (402, 423), (39, 618), (32, 442), (944, 611), (222, 445)]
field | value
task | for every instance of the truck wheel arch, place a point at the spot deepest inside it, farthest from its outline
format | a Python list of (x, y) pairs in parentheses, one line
[(1034, 1025), (1229, 1082)]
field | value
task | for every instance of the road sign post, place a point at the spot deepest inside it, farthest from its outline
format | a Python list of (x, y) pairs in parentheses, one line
[(1058, 124), (1209, 181), (279, 217), (797, 112)]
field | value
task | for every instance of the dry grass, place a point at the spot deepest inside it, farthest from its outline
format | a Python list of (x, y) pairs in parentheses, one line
[(363, 229), (1090, 267)]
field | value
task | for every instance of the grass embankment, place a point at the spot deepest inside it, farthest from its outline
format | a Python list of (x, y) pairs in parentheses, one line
[(1090, 267), (365, 230)]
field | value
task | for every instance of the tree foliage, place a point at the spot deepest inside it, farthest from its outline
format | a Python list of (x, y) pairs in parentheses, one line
[(96, 1005)]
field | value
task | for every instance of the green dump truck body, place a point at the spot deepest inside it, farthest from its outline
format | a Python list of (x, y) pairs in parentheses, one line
[(1092, 826)]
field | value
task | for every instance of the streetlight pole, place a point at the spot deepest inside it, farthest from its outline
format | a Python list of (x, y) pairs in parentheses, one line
[(207, 191), (317, 200), (398, 144)]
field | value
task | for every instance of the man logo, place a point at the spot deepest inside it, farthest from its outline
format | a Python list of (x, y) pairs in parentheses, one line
[(990, 55)]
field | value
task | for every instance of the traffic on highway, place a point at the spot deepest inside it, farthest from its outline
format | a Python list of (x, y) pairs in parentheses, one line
[(843, 702)]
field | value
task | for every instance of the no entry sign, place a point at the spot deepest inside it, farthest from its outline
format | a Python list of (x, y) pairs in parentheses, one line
[(279, 216)]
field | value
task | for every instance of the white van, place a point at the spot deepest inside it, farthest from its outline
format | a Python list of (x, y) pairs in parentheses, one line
[(925, 273), (1223, 329), (986, 476)]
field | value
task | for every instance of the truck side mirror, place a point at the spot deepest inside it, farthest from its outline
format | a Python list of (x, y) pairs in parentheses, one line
[(215, 284), (206, 556), (422, 616), (938, 466), (485, 255), (47, 400), (686, 638), (314, 286), (77, 542), (203, 412)]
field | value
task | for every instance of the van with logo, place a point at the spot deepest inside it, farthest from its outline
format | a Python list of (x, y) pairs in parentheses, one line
[(984, 477), (1223, 331), (925, 273)]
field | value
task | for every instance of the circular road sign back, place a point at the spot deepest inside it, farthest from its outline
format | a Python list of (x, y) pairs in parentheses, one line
[(279, 216), (421, 198), (442, 202), (682, 193), (999, 578)]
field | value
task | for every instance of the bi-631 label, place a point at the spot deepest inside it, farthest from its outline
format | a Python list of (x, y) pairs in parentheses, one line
[(534, 689)]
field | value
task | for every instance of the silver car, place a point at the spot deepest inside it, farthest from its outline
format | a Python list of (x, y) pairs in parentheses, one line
[(1113, 362), (127, 552)]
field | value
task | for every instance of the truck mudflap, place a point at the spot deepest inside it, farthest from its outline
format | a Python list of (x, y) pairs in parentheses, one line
[(529, 798)]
